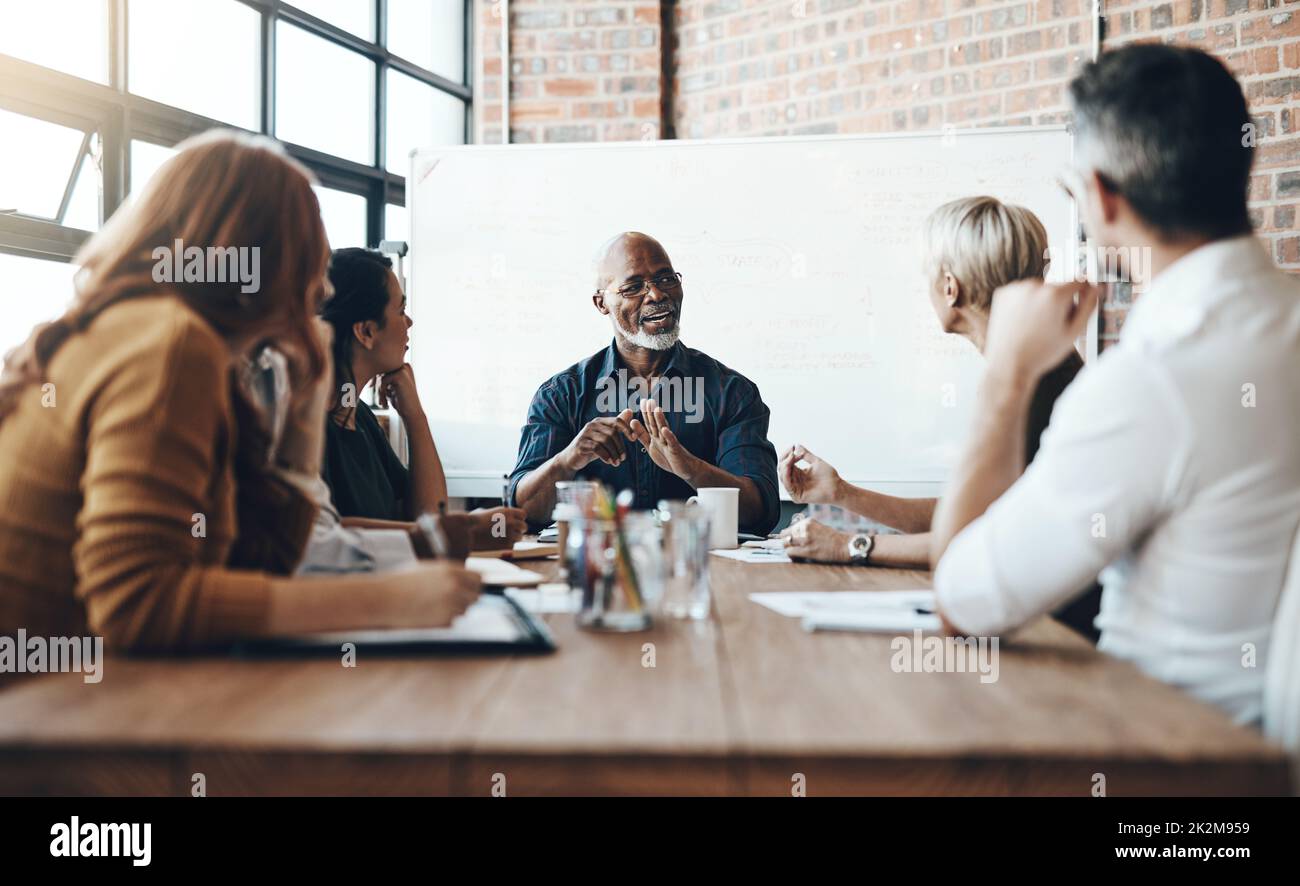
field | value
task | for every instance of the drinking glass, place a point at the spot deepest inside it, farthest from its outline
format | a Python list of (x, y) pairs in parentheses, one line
[(686, 560)]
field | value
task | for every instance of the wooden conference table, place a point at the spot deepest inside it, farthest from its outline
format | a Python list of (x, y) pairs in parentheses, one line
[(744, 703)]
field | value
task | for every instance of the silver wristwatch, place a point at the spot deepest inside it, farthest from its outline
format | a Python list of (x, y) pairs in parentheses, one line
[(860, 546)]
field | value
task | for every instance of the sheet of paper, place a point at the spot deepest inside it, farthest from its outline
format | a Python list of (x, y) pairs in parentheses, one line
[(545, 600), (753, 555), (490, 619), (801, 604), (527, 550), (502, 572)]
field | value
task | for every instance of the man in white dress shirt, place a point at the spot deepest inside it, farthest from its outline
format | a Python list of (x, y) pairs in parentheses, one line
[(1171, 466)]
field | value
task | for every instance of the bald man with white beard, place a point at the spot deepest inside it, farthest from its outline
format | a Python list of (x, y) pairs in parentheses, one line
[(647, 413)]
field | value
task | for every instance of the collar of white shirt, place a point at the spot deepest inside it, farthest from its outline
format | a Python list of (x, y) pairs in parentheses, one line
[(1187, 292)]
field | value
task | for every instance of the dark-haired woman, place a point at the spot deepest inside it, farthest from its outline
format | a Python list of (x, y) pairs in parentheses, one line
[(368, 483), (143, 499), (366, 479)]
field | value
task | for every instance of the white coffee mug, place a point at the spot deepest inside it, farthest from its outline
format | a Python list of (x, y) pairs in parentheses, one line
[(723, 505)]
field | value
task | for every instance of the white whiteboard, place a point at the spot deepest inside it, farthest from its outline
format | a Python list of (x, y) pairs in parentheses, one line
[(801, 269)]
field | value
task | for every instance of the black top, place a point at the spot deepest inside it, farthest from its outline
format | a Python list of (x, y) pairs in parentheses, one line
[(1080, 612), (365, 476), (1050, 386)]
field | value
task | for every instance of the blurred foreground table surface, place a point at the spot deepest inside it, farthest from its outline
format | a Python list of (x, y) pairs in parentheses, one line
[(746, 702)]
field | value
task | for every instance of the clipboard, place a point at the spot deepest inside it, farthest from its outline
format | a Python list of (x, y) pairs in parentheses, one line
[(494, 625)]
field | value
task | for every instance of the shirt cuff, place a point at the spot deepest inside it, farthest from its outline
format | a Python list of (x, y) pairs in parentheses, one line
[(966, 586)]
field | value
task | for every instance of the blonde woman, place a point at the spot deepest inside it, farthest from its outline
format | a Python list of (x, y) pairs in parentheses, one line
[(971, 246), (142, 500)]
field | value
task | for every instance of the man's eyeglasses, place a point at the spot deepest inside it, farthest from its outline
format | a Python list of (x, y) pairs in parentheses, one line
[(664, 283), (1070, 181)]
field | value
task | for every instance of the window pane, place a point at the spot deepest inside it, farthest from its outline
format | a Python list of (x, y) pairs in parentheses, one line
[(83, 207), (35, 291), (354, 16), (146, 158), (39, 32), (419, 116), (325, 95), (430, 33), (36, 159), (344, 215), (200, 55), (397, 223)]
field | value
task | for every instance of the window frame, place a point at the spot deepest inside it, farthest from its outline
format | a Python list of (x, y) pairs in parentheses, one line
[(120, 116)]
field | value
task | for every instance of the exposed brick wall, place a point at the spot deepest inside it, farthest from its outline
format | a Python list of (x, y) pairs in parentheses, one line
[(590, 70), (779, 67), (580, 70), (1259, 40)]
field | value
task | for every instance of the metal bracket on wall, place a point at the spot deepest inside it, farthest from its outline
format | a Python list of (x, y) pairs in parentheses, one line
[(1098, 26), (505, 71)]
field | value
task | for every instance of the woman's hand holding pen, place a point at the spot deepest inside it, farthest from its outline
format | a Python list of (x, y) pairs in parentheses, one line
[(811, 540), (494, 528)]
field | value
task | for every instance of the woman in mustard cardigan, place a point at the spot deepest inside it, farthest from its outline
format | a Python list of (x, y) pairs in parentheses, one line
[(141, 498)]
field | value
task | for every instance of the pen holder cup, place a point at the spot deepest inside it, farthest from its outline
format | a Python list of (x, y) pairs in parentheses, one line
[(617, 568)]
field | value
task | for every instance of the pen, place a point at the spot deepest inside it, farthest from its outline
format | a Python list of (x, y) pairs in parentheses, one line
[(873, 621)]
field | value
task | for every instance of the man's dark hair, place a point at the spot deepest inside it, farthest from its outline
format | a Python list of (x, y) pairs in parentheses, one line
[(360, 281), (1166, 127)]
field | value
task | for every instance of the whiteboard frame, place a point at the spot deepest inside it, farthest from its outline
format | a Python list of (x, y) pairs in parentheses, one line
[(487, 484)]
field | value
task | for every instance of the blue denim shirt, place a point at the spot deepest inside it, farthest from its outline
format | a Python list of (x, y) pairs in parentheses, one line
[(716, 413)]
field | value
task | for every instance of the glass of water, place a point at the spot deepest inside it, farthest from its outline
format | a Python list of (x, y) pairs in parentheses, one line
[(685, 560)]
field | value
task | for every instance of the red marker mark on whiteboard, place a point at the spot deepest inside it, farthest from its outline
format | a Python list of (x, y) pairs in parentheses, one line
[(432, 167)]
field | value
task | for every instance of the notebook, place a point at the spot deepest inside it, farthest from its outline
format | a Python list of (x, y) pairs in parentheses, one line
[(523, 550), (495, 623), (503, 573)]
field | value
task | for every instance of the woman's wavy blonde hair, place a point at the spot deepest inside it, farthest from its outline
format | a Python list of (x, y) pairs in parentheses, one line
[(221, 189)]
